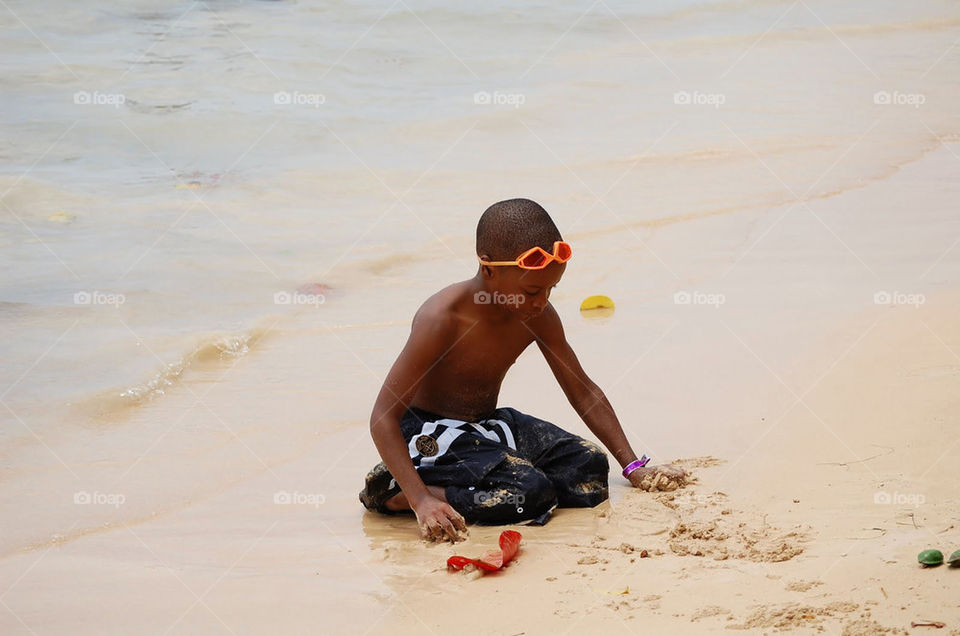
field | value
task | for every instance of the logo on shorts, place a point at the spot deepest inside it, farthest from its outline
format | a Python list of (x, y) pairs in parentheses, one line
[(427, 446)]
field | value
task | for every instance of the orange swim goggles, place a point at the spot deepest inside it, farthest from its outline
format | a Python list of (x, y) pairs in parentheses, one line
[(537, 257)]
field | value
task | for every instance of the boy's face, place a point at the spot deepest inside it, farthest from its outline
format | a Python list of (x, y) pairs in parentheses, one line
[(531, 287)]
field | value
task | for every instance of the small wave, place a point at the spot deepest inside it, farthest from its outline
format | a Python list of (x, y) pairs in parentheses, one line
[(663, 221), (766, 147), (217, 349), (211, 351), (142, 107)]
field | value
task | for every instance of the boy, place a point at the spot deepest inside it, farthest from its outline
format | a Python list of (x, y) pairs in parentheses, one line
[(449, 454)]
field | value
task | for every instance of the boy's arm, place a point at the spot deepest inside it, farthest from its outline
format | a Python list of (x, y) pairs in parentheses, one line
[(587, 399), (431, 336)]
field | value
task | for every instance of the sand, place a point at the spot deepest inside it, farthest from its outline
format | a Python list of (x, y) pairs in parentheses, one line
[(799, 417)]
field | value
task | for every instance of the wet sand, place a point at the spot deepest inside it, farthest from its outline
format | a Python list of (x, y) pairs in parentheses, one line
[(799, 402)]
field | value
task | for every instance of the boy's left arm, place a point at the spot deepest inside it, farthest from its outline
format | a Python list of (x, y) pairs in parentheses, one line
[(587, 399)]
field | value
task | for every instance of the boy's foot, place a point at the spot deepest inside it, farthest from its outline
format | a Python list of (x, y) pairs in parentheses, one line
[(378, 487), (399, 501)]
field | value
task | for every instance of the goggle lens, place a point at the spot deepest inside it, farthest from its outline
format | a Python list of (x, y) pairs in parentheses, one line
[(535, 259)]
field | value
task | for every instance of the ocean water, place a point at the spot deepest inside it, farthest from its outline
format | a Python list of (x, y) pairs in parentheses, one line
[(181, 181)]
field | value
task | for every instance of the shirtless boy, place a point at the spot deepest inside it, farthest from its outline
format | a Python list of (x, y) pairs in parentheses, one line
[(449, 454)]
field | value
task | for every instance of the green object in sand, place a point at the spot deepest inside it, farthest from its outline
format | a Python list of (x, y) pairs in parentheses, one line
[(931, 558), (954, 559)]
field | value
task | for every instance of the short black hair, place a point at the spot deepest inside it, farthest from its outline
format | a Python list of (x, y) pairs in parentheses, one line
[(508, 228)]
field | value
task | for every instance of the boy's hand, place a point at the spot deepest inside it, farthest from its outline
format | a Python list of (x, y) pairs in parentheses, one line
[(663, 477), (439, 521)]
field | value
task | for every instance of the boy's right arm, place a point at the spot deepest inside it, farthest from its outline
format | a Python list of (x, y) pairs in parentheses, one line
[(431, 336)]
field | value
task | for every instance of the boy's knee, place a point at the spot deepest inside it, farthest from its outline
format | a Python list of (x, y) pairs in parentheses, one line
[(586, 480), (589, 463), (595, 460), (537, 493)]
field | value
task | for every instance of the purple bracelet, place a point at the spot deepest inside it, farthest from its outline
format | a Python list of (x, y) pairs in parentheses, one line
[(635, 464)]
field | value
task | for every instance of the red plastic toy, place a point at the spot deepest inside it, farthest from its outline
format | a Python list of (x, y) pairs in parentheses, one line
[(494, 559)]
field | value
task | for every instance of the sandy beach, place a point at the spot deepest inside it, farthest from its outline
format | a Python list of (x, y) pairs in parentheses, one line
[(805, 412), (785, 266)]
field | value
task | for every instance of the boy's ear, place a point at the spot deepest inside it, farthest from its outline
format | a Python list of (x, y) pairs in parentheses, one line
[(486, 270)]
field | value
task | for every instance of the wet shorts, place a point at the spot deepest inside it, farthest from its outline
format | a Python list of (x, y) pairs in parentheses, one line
[(508, 468)]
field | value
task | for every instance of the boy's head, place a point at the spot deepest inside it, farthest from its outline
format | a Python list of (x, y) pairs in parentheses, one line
[(506, 230)]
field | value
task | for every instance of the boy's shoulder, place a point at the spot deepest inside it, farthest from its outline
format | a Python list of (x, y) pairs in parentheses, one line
[(445, 299), (442, 309)]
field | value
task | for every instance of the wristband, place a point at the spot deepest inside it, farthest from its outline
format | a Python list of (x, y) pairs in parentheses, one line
[(635, 464)]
